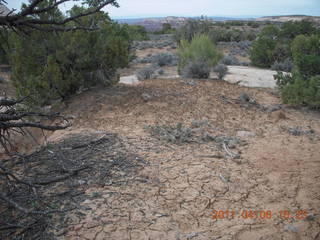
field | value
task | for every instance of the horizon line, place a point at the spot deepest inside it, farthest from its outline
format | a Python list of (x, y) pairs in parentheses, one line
[(186, 16), (207, 16)]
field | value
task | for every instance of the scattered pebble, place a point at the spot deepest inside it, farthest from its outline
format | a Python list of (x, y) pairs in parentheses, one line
[(244, 97), (146, 97), (291, 228), (274, 108), (245, 134)]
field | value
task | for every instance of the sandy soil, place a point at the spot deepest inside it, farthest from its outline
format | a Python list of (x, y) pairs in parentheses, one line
[(174, 195)]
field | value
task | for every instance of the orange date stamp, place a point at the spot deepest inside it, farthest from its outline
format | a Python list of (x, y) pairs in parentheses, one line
[(259, 214)]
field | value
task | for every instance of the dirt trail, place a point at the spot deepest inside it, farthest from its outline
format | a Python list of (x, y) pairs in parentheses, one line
[(174, 195)]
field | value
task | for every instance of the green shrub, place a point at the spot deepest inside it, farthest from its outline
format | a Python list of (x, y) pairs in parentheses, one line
[(300, 90), (50, 66), (253, 24), (262, 51), (164, 59), (273, 43), (166, 29), (302, 86), (306, 54), (218, 32), (289, 30), (200, 49), (137, 33)]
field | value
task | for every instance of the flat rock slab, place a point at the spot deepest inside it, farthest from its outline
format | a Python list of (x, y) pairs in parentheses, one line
[(251, 77), (129, 79), (133, 79)]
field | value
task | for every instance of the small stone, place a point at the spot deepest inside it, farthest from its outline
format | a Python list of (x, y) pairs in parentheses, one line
[(69, 116), (291, 228), (192, 235), (82, 182), (274, 108), (245, 134), (146, 97), (278, 115), (311, 217), (191, 83), (232, 143), (160, 71), (223, 178), (244, 97)]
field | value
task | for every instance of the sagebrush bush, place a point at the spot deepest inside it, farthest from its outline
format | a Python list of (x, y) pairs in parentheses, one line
[(164, 59), (229, 60), (285, 66), (221, 70), (199, 50), (147, 72), (176, 133), (161, 59), (196, 69)]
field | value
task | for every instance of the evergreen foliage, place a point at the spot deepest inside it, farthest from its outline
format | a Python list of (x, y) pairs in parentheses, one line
[(302, 86), (273, 43), (50, 65)]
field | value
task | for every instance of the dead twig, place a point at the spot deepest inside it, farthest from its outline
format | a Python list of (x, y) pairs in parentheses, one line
[(61, 178), (209, 156), (25, 210), (230, 154), (93, 142)]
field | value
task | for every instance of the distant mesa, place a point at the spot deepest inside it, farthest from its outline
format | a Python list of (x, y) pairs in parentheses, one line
[(155, 23), (287, 18)]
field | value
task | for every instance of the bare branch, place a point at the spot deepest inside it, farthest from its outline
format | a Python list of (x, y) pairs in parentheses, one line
[(32, 124), (25, 210), (13, 120), (26, 18)]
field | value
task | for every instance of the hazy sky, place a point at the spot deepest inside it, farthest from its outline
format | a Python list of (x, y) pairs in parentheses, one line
[(151, 8)]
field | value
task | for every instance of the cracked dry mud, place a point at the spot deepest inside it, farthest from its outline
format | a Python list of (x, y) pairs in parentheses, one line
[(173, 196)]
